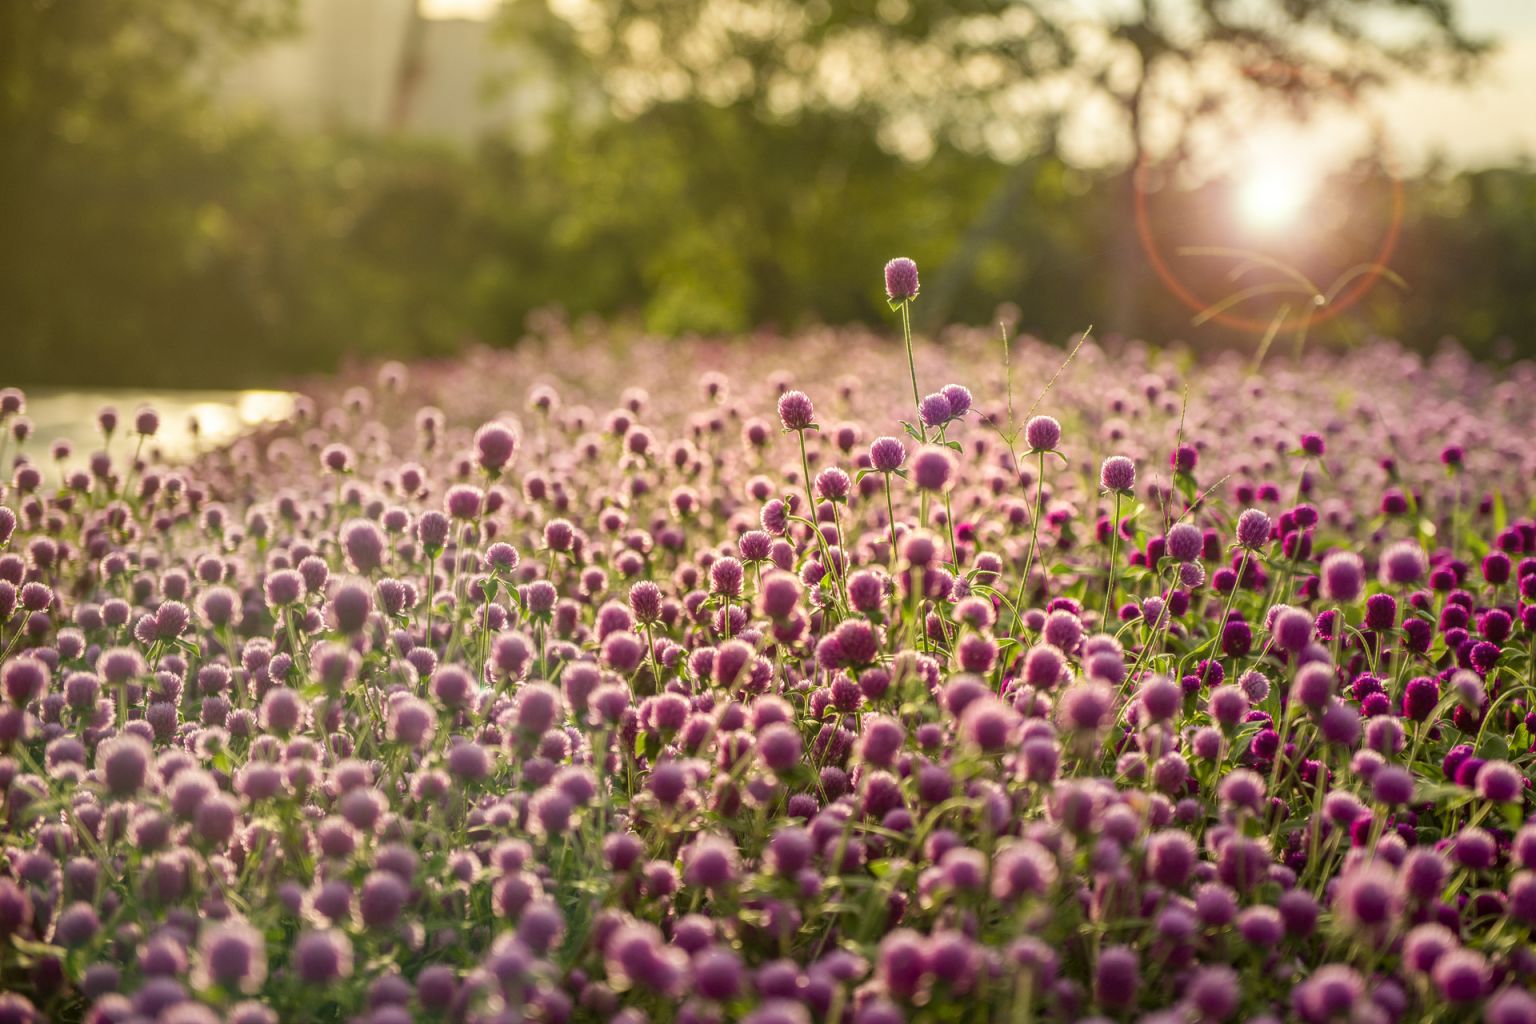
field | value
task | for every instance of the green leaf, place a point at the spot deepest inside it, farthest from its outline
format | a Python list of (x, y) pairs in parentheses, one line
[(33, 948), (1493, 747)]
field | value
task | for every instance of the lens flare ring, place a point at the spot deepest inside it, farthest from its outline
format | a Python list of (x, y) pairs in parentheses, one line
[(1276, 193)]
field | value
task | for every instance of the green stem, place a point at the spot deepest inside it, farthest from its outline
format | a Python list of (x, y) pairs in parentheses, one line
[(917, 401), (949, 518), (810, 509), (133, 464), (1034, 537), (1114, 538)]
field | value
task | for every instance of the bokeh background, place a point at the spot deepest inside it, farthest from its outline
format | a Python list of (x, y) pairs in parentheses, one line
[(237, 193)]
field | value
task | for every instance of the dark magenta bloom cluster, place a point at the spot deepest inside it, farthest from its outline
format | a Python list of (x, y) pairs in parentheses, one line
[(548, 685)]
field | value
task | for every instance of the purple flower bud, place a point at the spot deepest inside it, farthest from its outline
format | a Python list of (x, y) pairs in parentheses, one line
[(934, 410), (124, 763), (1117, 976), (364, 546), (1118, 474), (1343, 576), (796, 411), (933, 468), (322, 957), (495, 444), (901, 282), (1042, 434), (1253, 528), (887, 454)]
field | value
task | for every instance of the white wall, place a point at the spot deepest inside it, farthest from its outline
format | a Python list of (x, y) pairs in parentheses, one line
[(343, 71)]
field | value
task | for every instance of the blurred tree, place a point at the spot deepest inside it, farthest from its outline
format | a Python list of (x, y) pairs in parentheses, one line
[(103, 139), (758, 135), (1470, 261), (1187, 74), (152, 237), (148, 236), (994, 78)]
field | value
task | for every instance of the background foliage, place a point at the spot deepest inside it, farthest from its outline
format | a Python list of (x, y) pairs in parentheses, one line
[(151, 237)]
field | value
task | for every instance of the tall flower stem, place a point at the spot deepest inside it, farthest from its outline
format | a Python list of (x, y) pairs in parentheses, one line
[(917, 401), (650, 654), (810, 507), (949, 519), (1114, 539), (1226, 609), (837, 527), (133, 465), (1034, 537)]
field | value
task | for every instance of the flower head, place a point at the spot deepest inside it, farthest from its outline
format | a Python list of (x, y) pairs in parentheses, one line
[(901, 279)]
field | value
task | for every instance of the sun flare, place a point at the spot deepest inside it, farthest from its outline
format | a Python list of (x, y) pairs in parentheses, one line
[(1273, 194)]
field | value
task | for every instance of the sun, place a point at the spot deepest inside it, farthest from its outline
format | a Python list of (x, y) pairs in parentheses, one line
[(1272, 194)]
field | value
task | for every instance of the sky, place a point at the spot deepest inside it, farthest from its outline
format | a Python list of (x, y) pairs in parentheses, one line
[(1492, 121)]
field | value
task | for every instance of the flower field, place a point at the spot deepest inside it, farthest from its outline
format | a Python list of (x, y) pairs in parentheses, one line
[(611, 679)]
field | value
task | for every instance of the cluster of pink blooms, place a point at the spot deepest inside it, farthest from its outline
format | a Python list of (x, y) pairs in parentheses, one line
[(614, 679)]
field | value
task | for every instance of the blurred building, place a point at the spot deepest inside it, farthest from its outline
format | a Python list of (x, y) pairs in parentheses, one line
[(408, 66)]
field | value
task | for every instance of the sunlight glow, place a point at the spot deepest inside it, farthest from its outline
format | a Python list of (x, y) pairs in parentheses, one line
[(474, 10), (1273, 193)]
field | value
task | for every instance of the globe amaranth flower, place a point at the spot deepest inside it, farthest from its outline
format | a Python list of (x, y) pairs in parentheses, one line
[(1343, 576), (464, 501), (232, 955), (495, 444), (124, 763), (1118, 474), (1253, 528), (322, 957), (960, 399), (1042, 433), (1184, 542), (933, 468), (832, 484), (901, 284), (725, 577), (886, 454), (796, 411), (24, 679), (935, 410), (1403, 564), (1117, 976), (1461, 975), (1500, 782)]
